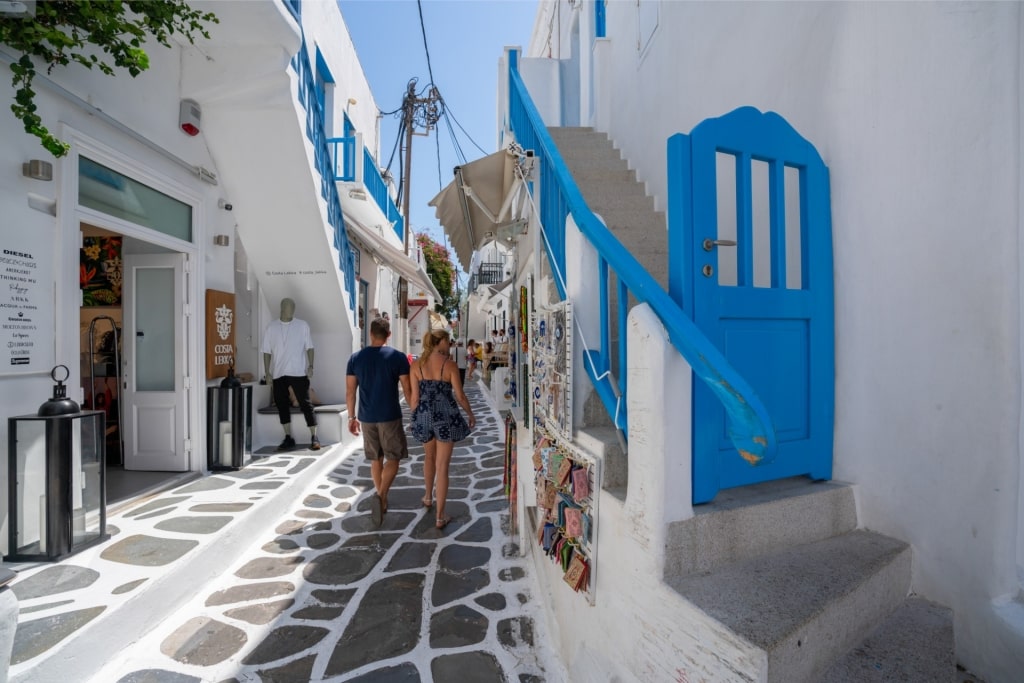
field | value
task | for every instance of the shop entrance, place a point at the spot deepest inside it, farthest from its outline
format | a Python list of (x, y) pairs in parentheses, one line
[(133, 330)]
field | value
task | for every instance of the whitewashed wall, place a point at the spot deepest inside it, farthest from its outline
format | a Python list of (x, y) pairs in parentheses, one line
[(148, 105), (917, 109)]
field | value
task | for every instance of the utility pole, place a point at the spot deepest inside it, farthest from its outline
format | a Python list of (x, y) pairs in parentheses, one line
[(424, 113)]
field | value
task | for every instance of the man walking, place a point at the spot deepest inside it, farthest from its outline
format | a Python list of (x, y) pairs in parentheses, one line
[(376, 371)]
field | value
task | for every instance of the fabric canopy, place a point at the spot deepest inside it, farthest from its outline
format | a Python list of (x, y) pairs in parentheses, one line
[(475, 205), (394, 258)]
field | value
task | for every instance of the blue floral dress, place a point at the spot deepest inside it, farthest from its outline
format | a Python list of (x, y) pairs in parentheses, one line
[(437, 416)]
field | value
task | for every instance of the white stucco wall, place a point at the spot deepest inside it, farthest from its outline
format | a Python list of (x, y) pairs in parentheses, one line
[(916, 108), (147, 105)]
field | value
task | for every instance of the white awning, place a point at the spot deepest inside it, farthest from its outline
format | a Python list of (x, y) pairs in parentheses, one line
[(475, 206), (393, 257)]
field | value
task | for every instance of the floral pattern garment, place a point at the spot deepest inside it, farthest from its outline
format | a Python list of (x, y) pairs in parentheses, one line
[(437, 416)]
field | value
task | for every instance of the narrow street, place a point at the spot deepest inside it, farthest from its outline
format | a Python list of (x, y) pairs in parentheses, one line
[(320, 594)]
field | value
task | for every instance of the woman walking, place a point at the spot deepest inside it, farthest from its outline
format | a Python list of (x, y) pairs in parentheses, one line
[(436, 421)]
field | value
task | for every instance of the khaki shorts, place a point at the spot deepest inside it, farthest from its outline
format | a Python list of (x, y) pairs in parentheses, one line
[(385, 440)]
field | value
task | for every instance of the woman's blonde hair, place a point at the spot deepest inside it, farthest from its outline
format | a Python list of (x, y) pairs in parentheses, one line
[(430, 340)]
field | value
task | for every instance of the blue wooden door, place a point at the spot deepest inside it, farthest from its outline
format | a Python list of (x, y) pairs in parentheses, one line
[(750, 228)]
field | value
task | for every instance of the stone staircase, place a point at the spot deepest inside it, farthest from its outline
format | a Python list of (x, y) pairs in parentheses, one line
[(781, 564)]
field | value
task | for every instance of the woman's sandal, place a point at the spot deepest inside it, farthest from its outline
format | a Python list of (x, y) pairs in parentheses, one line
[(442, 522), (427, 503)]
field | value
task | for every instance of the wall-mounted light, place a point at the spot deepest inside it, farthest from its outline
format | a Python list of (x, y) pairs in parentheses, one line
[(357, 194), (224, 204), (221, 240), (352, 101), (37, 169)]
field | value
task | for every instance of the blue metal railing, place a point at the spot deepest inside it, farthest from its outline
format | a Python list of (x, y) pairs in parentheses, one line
[(343, 154), (750, 427), (325, 166), (379, 190)]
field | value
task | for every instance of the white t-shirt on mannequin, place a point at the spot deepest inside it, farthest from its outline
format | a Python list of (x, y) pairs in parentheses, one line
[(287, 343)]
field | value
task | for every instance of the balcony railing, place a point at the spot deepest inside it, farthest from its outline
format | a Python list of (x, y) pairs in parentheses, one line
[(487, 274), (491, 273), (344, 153)]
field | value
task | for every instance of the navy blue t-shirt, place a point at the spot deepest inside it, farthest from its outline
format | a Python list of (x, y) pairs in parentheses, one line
[(377, 369)]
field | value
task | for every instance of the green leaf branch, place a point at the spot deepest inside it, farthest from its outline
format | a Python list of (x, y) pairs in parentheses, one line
[(441, 271), (102, 34)]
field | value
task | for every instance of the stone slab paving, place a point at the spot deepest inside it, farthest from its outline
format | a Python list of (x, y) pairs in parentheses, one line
[(70, 599), (323, 594)]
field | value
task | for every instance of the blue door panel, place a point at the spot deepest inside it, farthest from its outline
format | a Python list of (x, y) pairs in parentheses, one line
[(780, 340), (771, 355)]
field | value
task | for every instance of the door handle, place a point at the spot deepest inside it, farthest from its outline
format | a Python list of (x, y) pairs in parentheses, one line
[(710, 244)]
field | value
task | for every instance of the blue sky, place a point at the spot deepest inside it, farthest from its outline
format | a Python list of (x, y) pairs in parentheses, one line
[(465, 39)]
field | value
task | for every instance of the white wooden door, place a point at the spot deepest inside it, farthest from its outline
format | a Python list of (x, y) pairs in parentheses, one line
[(155, 366)]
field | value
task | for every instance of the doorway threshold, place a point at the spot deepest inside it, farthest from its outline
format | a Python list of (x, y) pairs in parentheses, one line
[(126, 489)]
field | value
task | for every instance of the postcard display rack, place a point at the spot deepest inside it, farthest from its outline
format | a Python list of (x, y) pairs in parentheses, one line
[(567, 479)]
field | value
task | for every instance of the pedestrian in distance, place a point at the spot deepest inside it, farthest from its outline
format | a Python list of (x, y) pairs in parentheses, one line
[(288, 364), (436, 421), (470, 359), (376, 372), (460, 361)]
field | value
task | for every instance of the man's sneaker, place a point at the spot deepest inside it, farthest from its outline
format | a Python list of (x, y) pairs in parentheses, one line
[(315, 446), (288, 444)]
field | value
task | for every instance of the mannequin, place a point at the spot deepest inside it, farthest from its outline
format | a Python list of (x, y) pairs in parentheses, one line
[(288, 363)]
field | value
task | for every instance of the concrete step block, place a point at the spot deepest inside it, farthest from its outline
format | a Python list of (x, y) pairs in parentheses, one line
[(611, 200), (560, 133), (806, 606), (585, 176), (913, 645), (587, 151), (646, 221), (749, 521), (596, 163)]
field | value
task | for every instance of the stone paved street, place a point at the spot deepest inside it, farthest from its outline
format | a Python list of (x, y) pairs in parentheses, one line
[(320, 594)]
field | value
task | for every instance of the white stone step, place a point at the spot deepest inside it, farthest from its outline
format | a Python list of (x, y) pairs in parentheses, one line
[(747, 522), (913, 645), (806, 606)]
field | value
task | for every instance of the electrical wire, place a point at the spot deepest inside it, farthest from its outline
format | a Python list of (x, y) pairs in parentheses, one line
[(449, 114), (423, 30)]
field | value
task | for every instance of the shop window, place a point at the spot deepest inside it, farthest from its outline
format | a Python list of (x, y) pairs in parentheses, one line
[(115, 194)]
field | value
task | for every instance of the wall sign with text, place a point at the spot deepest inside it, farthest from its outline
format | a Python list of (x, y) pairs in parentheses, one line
[(26, 303), (220, 333)]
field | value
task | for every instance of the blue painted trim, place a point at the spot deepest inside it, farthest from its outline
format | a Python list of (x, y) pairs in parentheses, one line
[(600, 30), (750, 427), (324, 163), (343, 162), (294, 7), (321, 66)]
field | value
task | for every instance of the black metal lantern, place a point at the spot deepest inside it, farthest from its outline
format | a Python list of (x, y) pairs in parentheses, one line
[(228, 424), (57, 501), (59, 403)]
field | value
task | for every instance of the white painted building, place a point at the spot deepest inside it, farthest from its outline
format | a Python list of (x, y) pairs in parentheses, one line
[(916, 109), (141, 222)]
